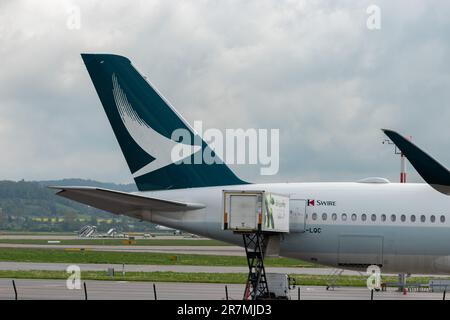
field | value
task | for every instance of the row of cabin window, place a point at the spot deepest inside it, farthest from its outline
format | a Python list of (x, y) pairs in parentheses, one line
[(373, 217)]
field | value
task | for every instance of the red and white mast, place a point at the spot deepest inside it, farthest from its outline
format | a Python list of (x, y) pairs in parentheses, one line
[(402, 168), (402, 160), (401, 276)]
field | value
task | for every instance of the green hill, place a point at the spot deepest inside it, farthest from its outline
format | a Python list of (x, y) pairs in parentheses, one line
[(31, 206)]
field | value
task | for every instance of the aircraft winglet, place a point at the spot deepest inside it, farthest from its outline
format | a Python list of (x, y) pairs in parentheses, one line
[(434, 173)]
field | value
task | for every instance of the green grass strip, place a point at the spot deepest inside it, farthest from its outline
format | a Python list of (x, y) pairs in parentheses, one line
[(225, 278), (146, 258)]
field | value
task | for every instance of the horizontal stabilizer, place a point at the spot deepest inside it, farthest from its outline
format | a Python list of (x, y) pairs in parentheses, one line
[(434, 173), (121, 202)]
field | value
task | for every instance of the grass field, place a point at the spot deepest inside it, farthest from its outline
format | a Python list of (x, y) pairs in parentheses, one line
[(35, 233), (64, 256), (118, 242), (226, 278)]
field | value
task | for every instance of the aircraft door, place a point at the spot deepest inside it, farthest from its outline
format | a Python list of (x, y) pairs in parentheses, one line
[(297, 208)]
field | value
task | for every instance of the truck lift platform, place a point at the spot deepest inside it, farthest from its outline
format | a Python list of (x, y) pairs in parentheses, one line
[(260, 217), (256, 286)]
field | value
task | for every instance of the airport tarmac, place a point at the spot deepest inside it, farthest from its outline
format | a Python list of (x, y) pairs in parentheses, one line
[(153, 268), (204, 250), (75, 237), (113, 290)]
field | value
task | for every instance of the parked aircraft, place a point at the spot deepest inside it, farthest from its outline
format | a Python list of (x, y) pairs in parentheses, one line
[(404, 228), (172, 230)]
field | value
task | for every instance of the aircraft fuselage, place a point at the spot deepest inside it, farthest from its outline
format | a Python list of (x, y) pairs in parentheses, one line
[(404, 228)]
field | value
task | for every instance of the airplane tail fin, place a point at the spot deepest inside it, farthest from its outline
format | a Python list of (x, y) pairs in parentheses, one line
[(434, 173), (144, 124)]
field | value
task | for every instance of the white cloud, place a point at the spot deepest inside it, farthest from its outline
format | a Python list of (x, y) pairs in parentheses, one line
[(312, 69)]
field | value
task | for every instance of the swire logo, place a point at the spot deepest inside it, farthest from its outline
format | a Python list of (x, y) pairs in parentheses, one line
[(317, 203)]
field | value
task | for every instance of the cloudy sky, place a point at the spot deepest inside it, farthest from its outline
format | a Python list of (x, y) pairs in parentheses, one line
[(312, 69)]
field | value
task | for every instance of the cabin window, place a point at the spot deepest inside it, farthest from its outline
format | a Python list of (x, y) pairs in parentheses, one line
[(442, 219), (393, 218), (364, 217), (433, 218), (324, 216), (354, 217), (314, 216), (383, 217), (413, 218), (334, 216), (373, 217), (344, 217), (422, 218), (403, 218)]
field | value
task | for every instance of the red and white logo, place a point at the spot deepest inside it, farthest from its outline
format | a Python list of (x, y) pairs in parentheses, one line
[(310, 203)]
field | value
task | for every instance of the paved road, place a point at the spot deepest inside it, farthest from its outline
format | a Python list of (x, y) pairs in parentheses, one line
[(151, 268), (112, 290), (75, 237), (205, 250)]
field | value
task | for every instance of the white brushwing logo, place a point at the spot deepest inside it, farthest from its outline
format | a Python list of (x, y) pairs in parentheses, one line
[(156, 145)]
